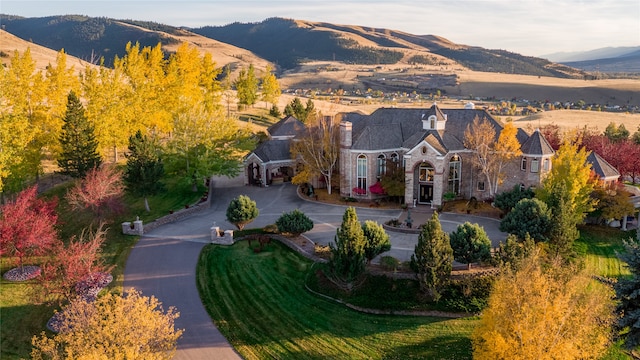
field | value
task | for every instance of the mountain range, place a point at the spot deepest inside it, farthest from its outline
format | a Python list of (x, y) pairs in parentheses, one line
[(287, 43)]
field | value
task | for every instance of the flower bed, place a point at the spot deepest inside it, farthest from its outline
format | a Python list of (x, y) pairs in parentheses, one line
[(22, 274)]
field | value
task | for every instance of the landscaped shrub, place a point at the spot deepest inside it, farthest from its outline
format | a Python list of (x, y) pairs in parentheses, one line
[(470, 243), (469, 293), (294, 223), (241, 211), (528, 216), (389, 263), (507, 200), (270, 229)]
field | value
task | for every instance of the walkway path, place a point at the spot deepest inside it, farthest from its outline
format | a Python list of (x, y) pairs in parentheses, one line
[(163, 262)]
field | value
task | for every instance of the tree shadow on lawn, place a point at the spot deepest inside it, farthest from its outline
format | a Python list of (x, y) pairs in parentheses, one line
[(266, 290)]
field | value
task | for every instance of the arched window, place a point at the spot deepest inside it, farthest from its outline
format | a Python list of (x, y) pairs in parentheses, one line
[(394, 157), (426, 172), (382, 165), (455, 167), (361, 173)]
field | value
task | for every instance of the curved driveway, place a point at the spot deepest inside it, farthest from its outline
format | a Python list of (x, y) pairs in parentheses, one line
[(163, 262)]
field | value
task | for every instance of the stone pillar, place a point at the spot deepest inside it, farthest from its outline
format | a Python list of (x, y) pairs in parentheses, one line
[(346, 166), (126, 227), (624, 222), (215, 232), (137, 227)]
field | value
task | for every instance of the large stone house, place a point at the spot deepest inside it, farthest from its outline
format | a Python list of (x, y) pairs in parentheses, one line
[(429, 143)]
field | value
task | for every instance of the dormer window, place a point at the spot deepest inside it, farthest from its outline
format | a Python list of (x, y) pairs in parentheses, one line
[(432, 122)]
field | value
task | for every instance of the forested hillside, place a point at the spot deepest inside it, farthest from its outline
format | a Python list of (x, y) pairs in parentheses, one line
[(88, 38)]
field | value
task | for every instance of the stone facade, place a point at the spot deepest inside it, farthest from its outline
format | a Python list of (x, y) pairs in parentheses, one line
[(429, 142)]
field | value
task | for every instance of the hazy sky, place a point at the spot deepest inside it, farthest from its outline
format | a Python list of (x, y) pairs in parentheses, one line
[(529, 27)]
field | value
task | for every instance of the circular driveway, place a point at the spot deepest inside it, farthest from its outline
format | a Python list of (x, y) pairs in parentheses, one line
[(163, 262)]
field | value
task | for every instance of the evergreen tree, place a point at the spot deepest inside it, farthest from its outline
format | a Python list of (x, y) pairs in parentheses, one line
[(432, 259), (628, 294), (377, 239), (294, 223), (529, 216), (144, 168), (79, 145), (241, 211), (275, 112), (348, 259), (470, 243)]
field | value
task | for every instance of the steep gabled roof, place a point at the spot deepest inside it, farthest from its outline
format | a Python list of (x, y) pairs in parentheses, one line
[(273, 150), (390, 128), (536, 144), (287, 127), (601, 167)]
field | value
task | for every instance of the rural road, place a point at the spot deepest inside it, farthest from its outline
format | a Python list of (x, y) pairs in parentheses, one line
[(163, 262)]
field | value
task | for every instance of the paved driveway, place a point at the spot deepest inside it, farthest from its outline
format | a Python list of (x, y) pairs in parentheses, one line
[(163, 262)]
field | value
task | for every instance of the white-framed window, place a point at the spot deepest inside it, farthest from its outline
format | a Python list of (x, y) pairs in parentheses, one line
[(394, 157), (382, 165), (535, 165), (480, 185), (426, 172), (361, 172), (545, 165), (455, 167), (523, 164)]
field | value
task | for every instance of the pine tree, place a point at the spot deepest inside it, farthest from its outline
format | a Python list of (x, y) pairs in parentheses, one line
[(377, 239), (349, 249), (144, 168), (470, 244), (79, 145), (628, 294), (433, 257), (241, 211)]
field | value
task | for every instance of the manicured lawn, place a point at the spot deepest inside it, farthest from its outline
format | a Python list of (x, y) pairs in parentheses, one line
[(260, 304), (21, 318), (600, 246)]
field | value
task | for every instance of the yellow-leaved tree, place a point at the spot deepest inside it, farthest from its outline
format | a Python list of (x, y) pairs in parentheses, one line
[(544, 312), (317, 148), (112, 327), (491, 155)]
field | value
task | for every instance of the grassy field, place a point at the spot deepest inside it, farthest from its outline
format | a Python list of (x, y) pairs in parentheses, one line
[(21, 317), (259, 303)]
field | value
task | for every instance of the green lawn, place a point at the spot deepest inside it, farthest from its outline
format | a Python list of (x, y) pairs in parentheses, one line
[(600, 246), (260, 304), (21, 318)]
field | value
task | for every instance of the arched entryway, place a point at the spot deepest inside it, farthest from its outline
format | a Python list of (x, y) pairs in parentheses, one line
[(424, 174)]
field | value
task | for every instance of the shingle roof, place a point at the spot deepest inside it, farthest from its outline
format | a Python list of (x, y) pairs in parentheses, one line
[(289, 126), (390, 128), (536, 144), (273, 150), (601, 167)]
